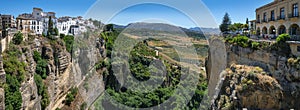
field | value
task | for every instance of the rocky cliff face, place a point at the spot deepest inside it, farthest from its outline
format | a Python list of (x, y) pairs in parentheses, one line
[(2, 81), (249, 87), (275, 88)]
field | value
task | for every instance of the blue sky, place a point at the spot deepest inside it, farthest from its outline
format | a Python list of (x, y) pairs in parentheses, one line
[(238, 10)]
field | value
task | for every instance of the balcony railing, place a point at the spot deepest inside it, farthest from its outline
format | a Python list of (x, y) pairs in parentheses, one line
[(271, 19), (280, 18), (264, 20), (294, 15), (295, 38)]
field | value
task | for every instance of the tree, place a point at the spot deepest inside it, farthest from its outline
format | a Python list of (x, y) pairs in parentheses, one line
[(109, 27), (50, 31), (224, 27), (56, 31), (236, 27), (18, 38), (247, 24), (69, 40)]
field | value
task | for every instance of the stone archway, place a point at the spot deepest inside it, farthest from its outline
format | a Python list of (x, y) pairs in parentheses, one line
[(294, 29), (272, 30), (281, 29), (264, 30)]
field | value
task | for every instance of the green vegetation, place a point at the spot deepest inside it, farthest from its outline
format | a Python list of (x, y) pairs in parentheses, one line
[(283, 38), (69, 41), (13, 98), (42, 91), (236, 27), (242, 41), (83, 106), (41, 73), (15, 71), (140, 65), (224, 27), (281, 46), (51, 30), (109, 38), (109, 27), (71, 96), (140, 61), (255, 45), (18, 38), (41, 64)]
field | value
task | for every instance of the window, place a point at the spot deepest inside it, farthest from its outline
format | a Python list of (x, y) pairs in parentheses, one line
[(258, 18), (282, 16), (295, 10), (298, 48), (272, 15), (265, 17)]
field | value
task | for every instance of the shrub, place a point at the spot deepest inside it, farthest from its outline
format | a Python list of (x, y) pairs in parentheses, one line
[(240, 41), (18, 38), (71, 96), (281, 46), (69, 41), (83, 106), (255, 45), (283, 38)]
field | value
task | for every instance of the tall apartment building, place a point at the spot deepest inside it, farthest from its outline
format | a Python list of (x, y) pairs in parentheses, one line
[(278, 17), (8, 21)]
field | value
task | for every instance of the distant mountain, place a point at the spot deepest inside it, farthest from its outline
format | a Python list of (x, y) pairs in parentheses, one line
[(195, 32), (206, 30), (168, 27), (119, 26)]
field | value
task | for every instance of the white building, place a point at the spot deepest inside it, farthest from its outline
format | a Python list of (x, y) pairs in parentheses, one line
[(38, 14), (26, 23), (71, 26), (36, 22)]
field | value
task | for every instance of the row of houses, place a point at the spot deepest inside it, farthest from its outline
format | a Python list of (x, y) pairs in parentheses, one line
[(277, 17), (37, 23)]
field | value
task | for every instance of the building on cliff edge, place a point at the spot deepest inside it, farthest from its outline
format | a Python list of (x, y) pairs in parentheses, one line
[(278, 17)]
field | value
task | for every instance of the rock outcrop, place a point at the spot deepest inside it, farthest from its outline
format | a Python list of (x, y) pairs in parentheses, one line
[(215, 64), (276, 68), (249, 87)]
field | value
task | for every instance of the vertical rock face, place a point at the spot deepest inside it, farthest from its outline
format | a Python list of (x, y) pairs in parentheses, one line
[(2, 81), (215, 64), (2, 99), (277, 88), (30, 97)]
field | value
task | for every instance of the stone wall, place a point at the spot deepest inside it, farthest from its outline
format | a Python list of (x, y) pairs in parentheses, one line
[(294, 47), (5, 42)]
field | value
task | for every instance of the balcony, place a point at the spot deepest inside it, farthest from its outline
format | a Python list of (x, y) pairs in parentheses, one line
[(280, 18), (271, 19), (264, 21), (294, 15)]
